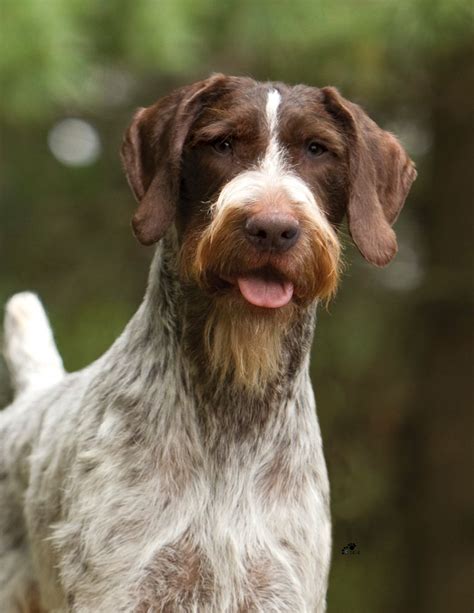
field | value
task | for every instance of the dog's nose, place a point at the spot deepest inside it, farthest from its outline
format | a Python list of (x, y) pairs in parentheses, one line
[(272, 232)]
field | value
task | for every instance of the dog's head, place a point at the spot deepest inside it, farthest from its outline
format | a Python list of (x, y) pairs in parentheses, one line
[(257, 177)]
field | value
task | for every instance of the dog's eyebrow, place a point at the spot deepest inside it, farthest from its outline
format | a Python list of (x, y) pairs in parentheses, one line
[(214, 130), (221, 129)]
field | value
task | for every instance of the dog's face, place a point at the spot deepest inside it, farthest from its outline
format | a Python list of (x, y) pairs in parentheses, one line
[(256, 177), (261, 184)]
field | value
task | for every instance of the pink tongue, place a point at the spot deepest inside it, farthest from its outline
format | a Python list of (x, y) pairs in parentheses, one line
[(263, 293)]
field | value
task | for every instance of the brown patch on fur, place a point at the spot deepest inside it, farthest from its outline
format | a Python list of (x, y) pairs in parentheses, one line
[(267, 587), (178, 464), (278, 480), (31, 603), (179, 577)]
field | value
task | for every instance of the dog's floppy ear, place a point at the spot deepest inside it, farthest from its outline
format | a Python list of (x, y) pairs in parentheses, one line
[(381, 174), (151, 155)]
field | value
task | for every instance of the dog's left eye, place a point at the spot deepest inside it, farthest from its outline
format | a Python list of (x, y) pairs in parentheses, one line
[(224, 146), (315, 149)]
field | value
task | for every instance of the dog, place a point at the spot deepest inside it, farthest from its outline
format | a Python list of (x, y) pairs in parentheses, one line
[(183, 471)]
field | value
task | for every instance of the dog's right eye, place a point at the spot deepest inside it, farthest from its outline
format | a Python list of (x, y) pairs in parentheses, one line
[(224, 146)]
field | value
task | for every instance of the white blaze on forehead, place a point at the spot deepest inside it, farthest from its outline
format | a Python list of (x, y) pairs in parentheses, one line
[(273, 102), (272, 163)]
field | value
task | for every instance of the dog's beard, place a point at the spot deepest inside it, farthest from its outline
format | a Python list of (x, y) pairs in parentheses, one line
[(246, 344), (243, 341)]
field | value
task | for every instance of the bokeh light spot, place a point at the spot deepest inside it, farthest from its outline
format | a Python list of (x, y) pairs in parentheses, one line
[(74, 142)]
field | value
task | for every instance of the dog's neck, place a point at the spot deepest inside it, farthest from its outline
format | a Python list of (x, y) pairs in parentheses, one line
[(169, 328)]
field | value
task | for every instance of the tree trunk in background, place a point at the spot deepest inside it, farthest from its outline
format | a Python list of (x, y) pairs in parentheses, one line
[(439, 437)]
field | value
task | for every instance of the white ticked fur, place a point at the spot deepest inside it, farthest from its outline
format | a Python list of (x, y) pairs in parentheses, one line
[(120, 506)]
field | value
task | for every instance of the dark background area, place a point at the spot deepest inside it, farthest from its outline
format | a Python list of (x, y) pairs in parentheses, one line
[(392, 357)]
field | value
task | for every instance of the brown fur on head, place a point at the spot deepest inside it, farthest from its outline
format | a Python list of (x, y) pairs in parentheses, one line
[(212, 155)]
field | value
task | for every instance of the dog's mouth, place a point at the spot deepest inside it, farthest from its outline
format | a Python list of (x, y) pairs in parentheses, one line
[(262, 288)]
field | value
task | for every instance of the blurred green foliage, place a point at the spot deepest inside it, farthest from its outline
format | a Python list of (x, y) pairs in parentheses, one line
[(392, 360), (54, 52)]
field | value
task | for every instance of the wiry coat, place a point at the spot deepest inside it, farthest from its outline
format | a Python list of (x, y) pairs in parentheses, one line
[(154, 480), (136, 503)]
